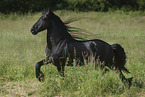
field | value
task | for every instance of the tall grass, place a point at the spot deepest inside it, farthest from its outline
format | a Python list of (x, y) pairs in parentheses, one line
[(20, 50)]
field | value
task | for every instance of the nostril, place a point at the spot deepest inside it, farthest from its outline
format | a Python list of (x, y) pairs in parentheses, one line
[(32, 30)]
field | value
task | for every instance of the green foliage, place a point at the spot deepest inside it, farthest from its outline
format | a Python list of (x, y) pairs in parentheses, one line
[(141, 4), (88, 5), (20, 50), (25, 6)]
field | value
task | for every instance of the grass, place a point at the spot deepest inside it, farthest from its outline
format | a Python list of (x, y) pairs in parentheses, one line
[(20, 50)]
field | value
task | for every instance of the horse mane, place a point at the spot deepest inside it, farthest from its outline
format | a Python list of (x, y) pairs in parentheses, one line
[(73, 31)]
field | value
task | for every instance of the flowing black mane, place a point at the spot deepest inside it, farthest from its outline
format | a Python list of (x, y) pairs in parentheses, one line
[(73, 31)]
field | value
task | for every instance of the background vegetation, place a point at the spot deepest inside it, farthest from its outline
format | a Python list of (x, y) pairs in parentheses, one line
[(20, 50), (25, 6)]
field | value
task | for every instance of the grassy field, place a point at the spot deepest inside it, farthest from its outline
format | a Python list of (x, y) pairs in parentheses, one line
[(20, 50)]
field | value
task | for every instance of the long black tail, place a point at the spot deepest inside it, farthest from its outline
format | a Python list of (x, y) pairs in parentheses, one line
[(119, 62), (120, 57)]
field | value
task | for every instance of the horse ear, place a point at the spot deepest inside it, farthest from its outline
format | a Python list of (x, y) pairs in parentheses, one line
[(47, 13)]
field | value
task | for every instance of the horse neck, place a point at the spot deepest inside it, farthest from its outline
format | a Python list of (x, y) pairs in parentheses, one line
[(57, 33), (49, 44)]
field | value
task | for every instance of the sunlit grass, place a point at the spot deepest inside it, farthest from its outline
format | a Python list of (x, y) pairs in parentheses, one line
[(20, 50)]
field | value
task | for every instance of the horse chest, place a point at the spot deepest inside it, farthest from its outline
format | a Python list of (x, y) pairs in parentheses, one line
[(59, 51)]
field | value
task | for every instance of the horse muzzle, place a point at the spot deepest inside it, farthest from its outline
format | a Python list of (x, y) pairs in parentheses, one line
[(33, 31)]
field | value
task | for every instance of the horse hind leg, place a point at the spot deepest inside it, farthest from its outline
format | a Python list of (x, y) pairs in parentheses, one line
[(70, 62), (125, 80), (125, 69)]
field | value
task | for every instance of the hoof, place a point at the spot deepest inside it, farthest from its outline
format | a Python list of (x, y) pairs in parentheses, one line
[(129, 81), (40, 76)]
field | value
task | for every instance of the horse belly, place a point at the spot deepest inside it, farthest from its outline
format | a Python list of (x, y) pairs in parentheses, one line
[(79, 52), (103, 52)]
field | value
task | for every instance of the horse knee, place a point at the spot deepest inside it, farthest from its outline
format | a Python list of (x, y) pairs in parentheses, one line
[(39, 64)]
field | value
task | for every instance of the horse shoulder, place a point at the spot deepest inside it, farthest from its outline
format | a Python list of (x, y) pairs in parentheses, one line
[(60, 50)]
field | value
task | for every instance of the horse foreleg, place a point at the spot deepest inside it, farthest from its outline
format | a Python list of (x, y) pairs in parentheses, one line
[(61, 70), (60, 67), (39, 74)]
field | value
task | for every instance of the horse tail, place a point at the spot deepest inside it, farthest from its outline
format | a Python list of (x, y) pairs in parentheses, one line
[(120, 57), (119, 62)]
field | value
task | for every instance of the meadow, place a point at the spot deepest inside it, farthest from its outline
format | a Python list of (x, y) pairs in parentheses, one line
[(20, 51)]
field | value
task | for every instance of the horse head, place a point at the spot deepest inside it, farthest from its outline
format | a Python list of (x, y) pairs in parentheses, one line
[(43, 23)]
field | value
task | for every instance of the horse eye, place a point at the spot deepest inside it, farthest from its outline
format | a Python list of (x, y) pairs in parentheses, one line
[(43, 18)]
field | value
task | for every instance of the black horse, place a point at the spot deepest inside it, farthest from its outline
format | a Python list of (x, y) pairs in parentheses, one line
[(62, 46)]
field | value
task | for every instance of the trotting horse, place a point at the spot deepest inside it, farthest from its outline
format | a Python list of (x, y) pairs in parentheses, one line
[(62, 46)]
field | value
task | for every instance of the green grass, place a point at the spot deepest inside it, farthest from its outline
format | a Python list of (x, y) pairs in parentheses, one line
[(20, 50)]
